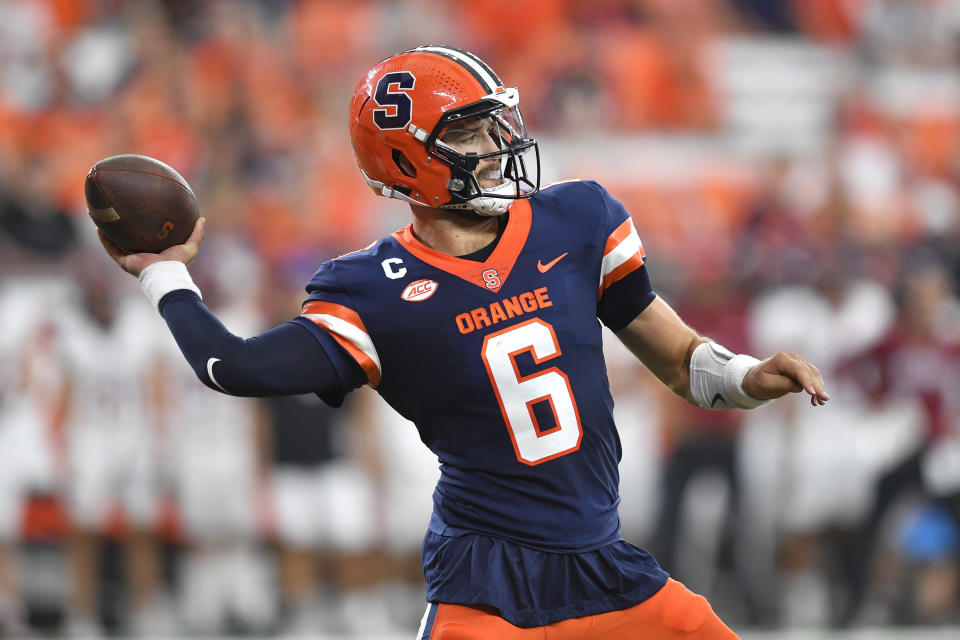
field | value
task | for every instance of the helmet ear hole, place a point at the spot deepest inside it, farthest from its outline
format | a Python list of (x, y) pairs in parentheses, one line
[(405, 166)]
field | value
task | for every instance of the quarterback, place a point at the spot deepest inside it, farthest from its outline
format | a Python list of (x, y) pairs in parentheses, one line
[(480, 322)]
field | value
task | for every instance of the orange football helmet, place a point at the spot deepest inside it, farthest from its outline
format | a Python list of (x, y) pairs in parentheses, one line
[(403, 107)]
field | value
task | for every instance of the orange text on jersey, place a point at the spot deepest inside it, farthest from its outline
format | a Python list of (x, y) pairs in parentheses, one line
[(506, 309)]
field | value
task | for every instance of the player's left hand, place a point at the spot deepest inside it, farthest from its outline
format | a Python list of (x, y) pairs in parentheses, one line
[(785, 373)]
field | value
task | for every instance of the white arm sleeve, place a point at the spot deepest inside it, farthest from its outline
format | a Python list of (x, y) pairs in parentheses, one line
[(160, 278), (716, 378)]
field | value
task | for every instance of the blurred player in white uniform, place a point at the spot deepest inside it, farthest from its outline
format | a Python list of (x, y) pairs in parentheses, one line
[(216, 461), (111, 435), (31, 405), (362, 510), (406, 474), (913, 371), (302, 433), (637, 411), (699, 516), (806, 474), (327, 520), (328, 505)]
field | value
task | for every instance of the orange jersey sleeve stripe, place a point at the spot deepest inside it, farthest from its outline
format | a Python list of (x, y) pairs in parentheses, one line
[(633, 263), (333, 309), (346, 327), (623, 254), (619, 235)]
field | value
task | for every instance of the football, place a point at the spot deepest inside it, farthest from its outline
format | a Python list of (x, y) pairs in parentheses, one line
[(141, 204)]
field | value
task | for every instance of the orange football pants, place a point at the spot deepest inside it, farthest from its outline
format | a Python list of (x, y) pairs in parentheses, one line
[(672, 613)]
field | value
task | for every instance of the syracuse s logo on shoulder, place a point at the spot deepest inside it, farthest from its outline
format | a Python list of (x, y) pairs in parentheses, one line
[(419, 290)]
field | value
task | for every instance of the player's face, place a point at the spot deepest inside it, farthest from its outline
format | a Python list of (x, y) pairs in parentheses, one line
[(924, 296), (99, 304), (477, 135)]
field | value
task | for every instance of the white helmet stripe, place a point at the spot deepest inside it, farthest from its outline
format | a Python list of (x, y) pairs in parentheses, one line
[(483, 64), (480, 72)]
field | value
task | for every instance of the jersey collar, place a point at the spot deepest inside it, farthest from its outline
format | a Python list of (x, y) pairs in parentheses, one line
[(492, 272)]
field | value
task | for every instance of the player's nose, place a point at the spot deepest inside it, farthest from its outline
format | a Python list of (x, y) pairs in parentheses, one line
[(488, 144)]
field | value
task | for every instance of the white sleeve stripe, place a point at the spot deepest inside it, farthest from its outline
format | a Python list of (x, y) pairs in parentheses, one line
[(349, 332), (627, 248)]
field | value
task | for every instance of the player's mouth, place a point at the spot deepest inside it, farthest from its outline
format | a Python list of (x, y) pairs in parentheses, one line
[(490, 179)]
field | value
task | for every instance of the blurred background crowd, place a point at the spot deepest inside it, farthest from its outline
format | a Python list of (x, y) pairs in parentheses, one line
[(792, 167)]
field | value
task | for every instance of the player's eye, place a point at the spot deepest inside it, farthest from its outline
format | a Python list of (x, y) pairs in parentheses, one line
[(461, 136)]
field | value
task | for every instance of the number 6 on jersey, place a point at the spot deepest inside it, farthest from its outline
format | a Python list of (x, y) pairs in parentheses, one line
[(517, 394)]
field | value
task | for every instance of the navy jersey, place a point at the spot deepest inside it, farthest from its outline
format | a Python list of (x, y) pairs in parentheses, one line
[(500, 365)]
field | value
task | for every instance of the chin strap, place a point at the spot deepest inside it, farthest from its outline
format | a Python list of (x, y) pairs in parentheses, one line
[(388, 192)]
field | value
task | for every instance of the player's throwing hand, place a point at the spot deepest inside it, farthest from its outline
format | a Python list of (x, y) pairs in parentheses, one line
[(134, 263)]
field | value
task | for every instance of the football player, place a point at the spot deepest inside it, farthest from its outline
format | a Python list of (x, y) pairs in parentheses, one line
[(480, 322), (911, 376), (32, 403), (111, 437), (215, 473)]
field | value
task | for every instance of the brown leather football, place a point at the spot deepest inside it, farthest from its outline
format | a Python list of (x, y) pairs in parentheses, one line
[(140, 204)]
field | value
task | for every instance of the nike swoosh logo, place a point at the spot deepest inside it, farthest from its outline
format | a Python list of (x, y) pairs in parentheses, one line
[(210, 363), (715, 398), (543, 268)]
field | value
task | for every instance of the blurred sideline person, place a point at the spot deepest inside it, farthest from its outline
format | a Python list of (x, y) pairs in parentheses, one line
[(913, 371), (217, 460), (328, 533), (479, 323), (404, 473), (112, 443), (301, 429), (806, 479), (698, 526), (324, 504), (638, 413), (31, 411)]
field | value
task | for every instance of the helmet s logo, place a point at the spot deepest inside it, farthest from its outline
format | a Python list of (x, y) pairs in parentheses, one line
[(396, 106)]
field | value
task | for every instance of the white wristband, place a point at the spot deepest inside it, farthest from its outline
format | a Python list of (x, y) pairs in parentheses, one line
[(716, 378), (160, 278)]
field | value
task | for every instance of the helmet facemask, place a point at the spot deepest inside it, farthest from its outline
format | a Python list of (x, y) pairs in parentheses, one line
[(498, 117)]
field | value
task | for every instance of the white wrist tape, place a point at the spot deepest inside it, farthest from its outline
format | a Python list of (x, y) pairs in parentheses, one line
[(160, 278), (716, 378)]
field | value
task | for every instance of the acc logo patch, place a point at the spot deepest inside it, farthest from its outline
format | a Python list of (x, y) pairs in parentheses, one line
[(419, 290)]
